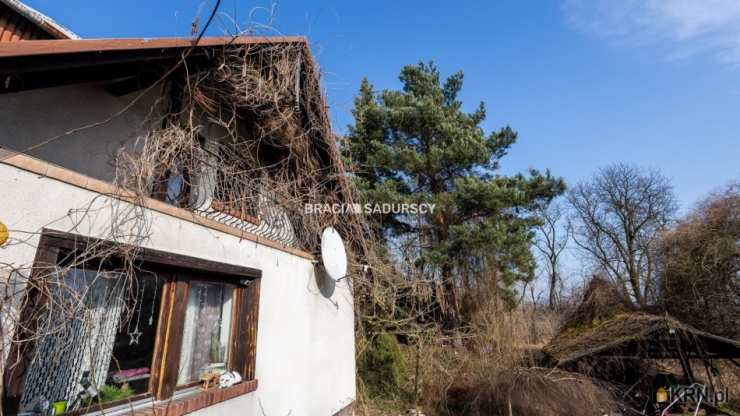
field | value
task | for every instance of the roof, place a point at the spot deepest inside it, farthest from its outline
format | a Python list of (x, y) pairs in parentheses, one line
[(49, 63), (21, 22), (122, 66), (606, 324), (68, 46), (638, 335)]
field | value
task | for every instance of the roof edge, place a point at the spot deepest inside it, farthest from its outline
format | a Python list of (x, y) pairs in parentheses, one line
[(65, 46)]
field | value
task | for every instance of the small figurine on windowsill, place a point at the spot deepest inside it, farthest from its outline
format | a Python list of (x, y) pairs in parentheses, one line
[(210, 380), (228, 379)]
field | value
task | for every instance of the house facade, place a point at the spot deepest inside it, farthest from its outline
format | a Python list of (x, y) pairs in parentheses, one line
[(150, 267)]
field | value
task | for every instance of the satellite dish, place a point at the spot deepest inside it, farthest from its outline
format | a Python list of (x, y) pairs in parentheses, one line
[(333, 255)]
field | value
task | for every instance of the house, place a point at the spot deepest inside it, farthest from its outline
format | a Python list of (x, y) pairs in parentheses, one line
[(157, 258)]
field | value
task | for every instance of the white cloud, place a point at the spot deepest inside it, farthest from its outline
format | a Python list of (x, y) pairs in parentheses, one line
[(683, 27)]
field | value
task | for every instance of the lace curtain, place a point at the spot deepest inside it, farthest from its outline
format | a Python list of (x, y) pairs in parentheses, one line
[(206, 334), (70, 348)]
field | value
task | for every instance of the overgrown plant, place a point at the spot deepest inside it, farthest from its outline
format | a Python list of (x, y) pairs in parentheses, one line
[(700, 265)]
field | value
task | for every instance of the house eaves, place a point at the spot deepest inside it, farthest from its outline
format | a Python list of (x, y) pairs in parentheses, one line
[(48, 63), (71, 46)]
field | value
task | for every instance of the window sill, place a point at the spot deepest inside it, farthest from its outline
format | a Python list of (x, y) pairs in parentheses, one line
[(197, 400)]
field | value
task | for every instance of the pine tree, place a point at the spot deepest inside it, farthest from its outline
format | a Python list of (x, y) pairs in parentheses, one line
[(417, 145)]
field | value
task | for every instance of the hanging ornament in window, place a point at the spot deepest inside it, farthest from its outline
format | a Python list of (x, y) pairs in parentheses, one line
[(136, 334), (154, 300)]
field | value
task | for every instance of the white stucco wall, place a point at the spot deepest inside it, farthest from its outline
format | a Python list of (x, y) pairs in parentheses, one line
[(31, 117), (305, 343)]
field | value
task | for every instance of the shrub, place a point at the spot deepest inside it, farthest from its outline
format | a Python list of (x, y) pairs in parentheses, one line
[(382, 366), (527, 392)]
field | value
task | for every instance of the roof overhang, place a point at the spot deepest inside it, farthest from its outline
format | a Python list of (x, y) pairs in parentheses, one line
[(70, 46), (48, 63)]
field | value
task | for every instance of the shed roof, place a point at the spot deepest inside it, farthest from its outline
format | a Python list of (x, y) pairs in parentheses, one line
[(607, 324), (638, 335)]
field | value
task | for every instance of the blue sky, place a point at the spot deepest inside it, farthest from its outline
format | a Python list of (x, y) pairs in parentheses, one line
[(584, 82)]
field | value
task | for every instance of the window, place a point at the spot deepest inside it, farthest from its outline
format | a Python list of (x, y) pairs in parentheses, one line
[(174, 186), (176, 323), (205, 339)]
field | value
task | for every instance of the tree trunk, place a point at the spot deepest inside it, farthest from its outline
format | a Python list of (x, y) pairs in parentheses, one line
[(453, 306), (552, 300)]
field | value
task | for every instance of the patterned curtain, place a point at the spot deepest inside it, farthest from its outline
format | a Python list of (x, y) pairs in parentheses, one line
[(69, 348)]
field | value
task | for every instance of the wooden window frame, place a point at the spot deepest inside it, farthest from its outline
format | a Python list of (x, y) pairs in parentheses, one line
[(178, 271)]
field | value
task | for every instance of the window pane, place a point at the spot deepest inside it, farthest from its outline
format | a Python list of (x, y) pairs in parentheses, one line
[(175, 189), (207, 330), (130, 367), (77, 338), (177, 186)]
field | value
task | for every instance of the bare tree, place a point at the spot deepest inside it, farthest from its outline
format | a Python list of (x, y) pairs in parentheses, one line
[(617, 216), (553, 234)]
